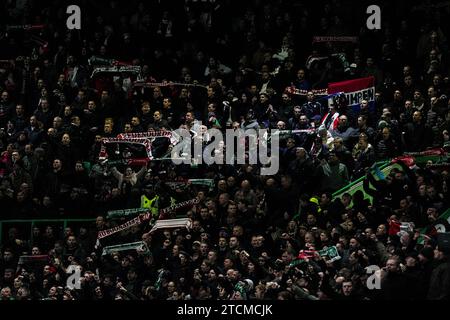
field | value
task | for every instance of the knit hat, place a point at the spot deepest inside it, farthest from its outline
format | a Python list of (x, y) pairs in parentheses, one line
[(428, 253), (382, 124)]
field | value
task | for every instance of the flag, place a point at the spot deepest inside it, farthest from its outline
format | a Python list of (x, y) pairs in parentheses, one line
[(355, 91), (441, 225), (331, 252)]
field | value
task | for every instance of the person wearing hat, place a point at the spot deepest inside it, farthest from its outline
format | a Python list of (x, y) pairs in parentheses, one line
[(440, 277)]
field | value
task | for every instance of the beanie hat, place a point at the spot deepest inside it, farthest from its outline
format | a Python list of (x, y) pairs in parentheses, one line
[(428, 253), (382, 124)]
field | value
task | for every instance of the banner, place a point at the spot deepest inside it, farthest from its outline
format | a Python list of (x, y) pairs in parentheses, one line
[(139, 245), (356, 185), (125, 213), (355, 91)]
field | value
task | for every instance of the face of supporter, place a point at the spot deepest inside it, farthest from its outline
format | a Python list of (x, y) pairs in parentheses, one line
[(343, 121), (233, 243), (303, 120), (189, 117), (107, 128), (128, 128), (347, 288), (391, 266), (65, 139), (71, 241), (57, 164), (157, 116), (135, 121), (33, 121), (104, 96), (156, 92), (146, 108)]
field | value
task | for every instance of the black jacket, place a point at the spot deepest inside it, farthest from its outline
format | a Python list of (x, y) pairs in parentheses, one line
[(440, 282)]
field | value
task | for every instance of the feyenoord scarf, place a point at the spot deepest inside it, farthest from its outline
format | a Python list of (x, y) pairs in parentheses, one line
[(145, 142), (150, 135), (177, 206), (133, 222)]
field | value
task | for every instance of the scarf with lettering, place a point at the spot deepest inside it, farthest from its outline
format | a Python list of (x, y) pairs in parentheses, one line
[(163, 213), (99, 61), (117, 69), (184, 184), (150, 135), (145, 142), (166, 84), (25, 27), (125, 213), (334, 39), (139, 245), (133, 222), (172, 224)]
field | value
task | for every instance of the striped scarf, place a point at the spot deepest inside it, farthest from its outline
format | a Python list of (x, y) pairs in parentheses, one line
[(133, 222), (139, 245), (171, 224), (145, 142), (177, 206)]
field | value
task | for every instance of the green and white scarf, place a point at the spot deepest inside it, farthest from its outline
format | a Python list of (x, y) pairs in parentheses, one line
[(172, 224), (139, 245), (125, 213)]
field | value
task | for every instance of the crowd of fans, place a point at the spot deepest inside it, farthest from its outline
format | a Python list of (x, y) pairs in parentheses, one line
[(223, 65)]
